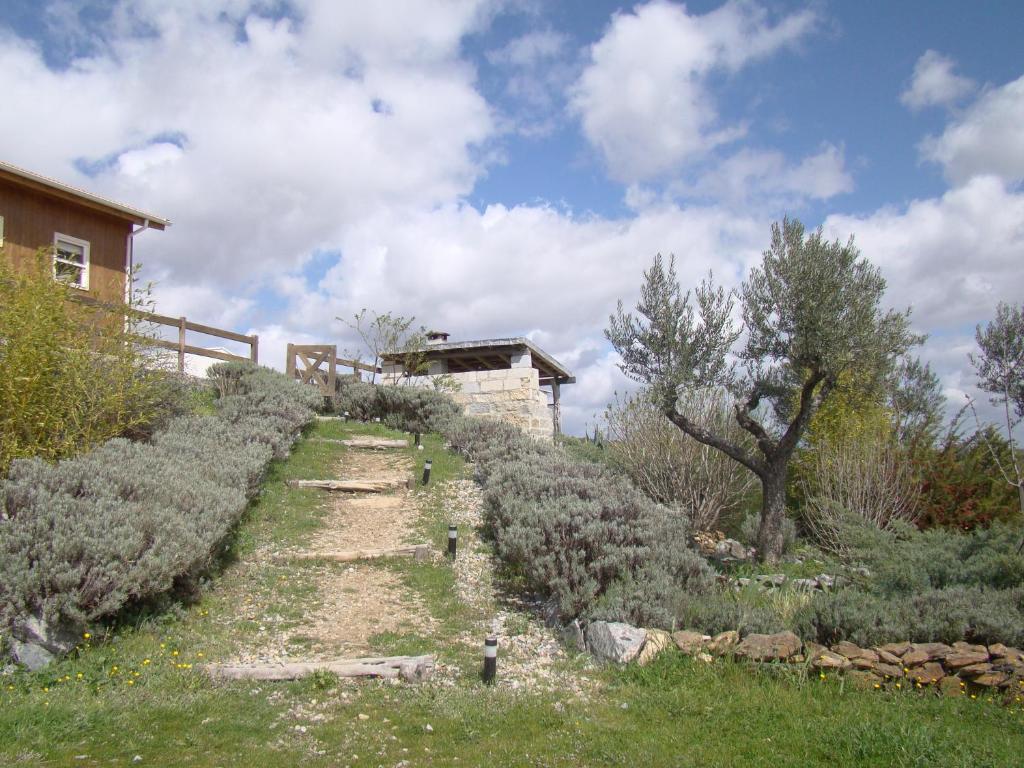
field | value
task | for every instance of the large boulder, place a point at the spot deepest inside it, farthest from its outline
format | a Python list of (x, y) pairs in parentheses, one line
[(777, 647), (615, 641), (690, 642)]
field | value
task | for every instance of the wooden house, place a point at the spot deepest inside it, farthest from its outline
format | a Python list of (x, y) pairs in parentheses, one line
[(90, 238)]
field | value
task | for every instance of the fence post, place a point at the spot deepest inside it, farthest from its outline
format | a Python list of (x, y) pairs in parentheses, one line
[(254, 353), (289, 364), (181, 345)]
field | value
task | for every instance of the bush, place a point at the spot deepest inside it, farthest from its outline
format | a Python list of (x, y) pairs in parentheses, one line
[(576, 532), (131, 522), (70, 377), (411, 409), (673, 468)]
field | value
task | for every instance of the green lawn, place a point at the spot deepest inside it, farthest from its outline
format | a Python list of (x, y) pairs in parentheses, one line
[(131, 691)]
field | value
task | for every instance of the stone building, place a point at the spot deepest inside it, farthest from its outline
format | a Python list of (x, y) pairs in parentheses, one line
[(508, 379)]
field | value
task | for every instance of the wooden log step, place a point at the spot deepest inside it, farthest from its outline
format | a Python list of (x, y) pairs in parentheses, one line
[(420, 551), (375, 443), (353, 486), (408, 668)]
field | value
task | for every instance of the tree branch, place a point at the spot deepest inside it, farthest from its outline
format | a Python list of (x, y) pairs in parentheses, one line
[(731, 450), (789, 440), (745, 420)]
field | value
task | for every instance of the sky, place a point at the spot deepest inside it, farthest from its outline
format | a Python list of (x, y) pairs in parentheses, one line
[(506, 168)]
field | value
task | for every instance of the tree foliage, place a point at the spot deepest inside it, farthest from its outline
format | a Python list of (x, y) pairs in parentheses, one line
[(390, 333), (70, 377), (810, 314)]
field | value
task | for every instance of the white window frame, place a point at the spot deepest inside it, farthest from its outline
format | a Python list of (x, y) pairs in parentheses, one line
[(84, 266)]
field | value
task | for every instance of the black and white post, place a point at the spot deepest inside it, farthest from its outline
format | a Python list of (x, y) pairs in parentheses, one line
[(344, 416), (490, 659), (426, 471), (453, 540)]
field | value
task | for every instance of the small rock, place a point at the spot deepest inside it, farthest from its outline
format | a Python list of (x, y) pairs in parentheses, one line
[(137, 759), (657, 641), (991, 679), (689, 642), (362, 716), (771, 579), (896, 649), (973, 670), (707, 658), (614, 641), (825, 581), (723, 642), (888, 670), (807, 585), (623, 705), (887, 658), (777, 647), (927, 674), (959, 659), (428, 728), (572, 636)]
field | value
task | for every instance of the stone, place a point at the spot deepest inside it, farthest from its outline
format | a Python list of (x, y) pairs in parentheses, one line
[(771, 579), (730, 548), (572, 636), (991, 679), (951, 687), (826, 659), (825, 581), (928, 673), (886, 657), (657, 641), (935, 651), (36, 644), (888, 670), (896, 649), (963, 647), (707, 658), (724, 642), (973, 670), (1011, 655), (33, 656), (852, 651), (863, 663), (690, 642), (614, 641), (777, 647), (959, 659)]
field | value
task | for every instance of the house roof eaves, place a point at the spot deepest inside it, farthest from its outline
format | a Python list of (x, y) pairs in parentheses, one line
[(38, 181)]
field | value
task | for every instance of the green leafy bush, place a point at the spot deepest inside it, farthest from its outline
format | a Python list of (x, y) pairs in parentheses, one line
[(129, 522), (70, 376)]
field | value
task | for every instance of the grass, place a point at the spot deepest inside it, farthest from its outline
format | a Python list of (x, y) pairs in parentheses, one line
[(130, 690)]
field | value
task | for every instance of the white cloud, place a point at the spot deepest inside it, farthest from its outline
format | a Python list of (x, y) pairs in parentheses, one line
[(643, 101), (987, 139), (284, 147), (934, 83), (758, 176), (537, 69), (952, 259)]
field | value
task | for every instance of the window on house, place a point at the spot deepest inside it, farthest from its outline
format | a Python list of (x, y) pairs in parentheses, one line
[(71, 260)]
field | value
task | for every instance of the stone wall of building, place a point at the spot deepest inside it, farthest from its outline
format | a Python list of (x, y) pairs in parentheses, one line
[(512, 395)]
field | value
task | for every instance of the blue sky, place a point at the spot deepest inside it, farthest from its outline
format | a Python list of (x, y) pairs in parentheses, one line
[(504, 168)]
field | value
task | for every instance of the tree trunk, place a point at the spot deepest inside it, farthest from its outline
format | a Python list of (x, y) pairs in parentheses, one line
[(773, 512)]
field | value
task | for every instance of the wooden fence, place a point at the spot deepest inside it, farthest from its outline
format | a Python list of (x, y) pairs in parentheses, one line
[(181, 346), (317, 364)]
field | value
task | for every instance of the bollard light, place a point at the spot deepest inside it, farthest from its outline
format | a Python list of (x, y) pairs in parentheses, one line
[(453, 540), (345, 415), (490, 659), (426, 471)]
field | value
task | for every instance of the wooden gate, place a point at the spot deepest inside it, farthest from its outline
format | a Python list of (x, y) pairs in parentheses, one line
[(317, 364)]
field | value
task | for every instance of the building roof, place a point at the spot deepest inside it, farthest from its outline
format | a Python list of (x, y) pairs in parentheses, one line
[(80, 196), (486, 354)]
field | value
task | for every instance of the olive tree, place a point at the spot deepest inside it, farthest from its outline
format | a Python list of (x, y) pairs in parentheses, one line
[(1000, 369), (810, 314)]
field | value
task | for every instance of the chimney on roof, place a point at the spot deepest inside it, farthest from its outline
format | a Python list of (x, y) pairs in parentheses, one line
[(437, 337)]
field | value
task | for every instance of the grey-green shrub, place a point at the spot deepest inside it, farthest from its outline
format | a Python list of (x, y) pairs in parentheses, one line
[(752, 523), (408, 408), (578, 533), (130, 522)]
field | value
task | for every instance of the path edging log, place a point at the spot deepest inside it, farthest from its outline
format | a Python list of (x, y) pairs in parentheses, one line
[(353, 486), (373, 443), (408, 668), (419, 551)]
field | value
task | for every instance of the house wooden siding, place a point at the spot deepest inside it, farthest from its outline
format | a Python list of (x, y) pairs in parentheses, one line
[(34, 209), (32, 219)]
